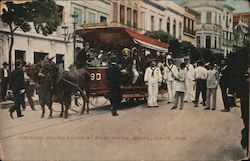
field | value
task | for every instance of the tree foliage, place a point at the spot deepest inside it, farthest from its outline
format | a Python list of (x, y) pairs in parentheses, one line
[(43, 14), (179, 49)]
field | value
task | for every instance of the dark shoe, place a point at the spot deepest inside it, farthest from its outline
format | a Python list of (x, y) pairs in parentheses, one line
[(20, 116), (23, 109), (115, 114), (11, 114), (195, 105), (207, 108), (181, 108), (204, 104), (33, 109), (149, 106), (156, 106), (213, 109), (225, 110), (173, 108)]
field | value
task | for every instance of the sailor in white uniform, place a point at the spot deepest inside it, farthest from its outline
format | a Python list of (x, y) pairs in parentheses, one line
[(153, 79)]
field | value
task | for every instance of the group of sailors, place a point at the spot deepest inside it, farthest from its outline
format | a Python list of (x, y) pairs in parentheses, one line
[(186, 83)]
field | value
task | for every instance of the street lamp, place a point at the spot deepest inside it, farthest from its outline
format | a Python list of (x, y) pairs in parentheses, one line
[(74, 16), (65, 33)]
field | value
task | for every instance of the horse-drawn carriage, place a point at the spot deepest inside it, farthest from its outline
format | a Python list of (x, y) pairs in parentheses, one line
[(114, 40)]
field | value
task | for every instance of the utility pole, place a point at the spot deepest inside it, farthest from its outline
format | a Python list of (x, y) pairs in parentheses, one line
[(74, 16)]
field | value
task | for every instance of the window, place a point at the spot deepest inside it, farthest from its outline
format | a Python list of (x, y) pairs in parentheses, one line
[(219, 19), (78, 11), (39, 56), (198, 41), (135, 16), (180, 30), (185, 24), (208, 18), (188, 29), (192, 27), (160, 24), (122, 14), (129, 16), (152, 23), (103, 19), (20, 55), (168, 25), (60, 61), (198, 19), (91, 17), (215, 42), (60, 12), (115, 8), (174, 29), (143, 20), (215, 18), (208, 42)]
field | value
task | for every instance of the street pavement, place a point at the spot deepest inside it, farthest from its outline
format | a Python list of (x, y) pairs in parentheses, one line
[(138, 133)]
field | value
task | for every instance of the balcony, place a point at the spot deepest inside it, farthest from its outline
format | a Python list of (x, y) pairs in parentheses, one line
[(208, 27), (189, 32), (226, 42)]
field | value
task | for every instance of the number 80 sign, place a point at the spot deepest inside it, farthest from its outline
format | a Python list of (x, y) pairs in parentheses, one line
[(96, 76)]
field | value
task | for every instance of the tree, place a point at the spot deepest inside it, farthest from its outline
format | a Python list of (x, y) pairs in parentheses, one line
[(44, 15), (159, 35)]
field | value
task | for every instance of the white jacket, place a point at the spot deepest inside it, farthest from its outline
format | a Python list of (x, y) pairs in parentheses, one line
[(153, 75), (169, 71), (189, 69), (179, 83)]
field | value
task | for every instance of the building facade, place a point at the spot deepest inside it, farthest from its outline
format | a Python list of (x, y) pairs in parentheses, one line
[(214, 26), (33, 47), (241, 23)]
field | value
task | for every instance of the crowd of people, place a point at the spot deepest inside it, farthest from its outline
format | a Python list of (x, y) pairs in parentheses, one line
[(187, 83), (21, 85)]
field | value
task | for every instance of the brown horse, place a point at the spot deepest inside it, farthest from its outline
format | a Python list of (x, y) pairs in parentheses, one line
[(62, 85)]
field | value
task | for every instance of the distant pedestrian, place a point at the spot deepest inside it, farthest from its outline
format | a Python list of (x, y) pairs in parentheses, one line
[(153, 79), (4, 80), (189, 69), (212, 84), (17, 85), (200, 76), (169, 71), (225, 84), (29, 86), (180, 87), (114, 84)]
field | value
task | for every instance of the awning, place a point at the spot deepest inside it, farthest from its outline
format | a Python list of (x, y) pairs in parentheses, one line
[(148, 42), (119, 37)]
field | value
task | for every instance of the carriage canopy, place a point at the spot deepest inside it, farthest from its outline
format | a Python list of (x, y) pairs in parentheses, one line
[(116, 38)]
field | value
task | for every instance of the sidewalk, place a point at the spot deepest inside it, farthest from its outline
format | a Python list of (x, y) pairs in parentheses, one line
[(9, 103)]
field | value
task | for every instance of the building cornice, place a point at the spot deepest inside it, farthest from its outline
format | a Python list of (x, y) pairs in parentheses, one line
[(151, 3)]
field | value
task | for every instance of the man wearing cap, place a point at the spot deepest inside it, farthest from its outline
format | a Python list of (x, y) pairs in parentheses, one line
[(4, 76), (17, 85), (169, 70), (114, 84), (189, 94), (153, 79)]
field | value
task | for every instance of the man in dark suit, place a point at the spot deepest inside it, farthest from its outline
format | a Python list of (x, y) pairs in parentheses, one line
[(4, 77), (225, 84), (17, 85), (114, 84)]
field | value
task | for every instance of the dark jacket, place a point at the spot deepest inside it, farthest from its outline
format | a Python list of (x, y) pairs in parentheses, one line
[(16, 80), (2, 73)]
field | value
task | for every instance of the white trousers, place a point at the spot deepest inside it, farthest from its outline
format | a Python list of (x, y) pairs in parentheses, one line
[(170, 86), (135, 75), (189, 94), (152, 94)]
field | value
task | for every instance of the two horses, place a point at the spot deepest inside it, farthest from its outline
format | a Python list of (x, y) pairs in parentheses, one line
[(61, 85)]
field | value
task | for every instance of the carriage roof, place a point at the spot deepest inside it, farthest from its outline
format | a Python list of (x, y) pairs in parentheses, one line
[(117, 38)]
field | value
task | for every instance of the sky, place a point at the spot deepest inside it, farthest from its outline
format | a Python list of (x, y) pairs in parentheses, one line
[(239, 5)]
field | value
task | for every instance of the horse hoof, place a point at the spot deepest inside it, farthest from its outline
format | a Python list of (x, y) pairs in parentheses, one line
[(50, 117), (61, 115)]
